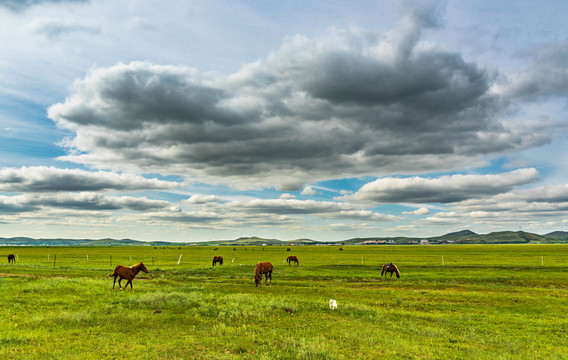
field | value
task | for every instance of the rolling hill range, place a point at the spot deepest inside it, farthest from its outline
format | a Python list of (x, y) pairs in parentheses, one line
[(460, 237)]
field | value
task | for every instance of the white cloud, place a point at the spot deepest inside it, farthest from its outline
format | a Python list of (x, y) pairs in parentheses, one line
[(202, 199), (446, 189), (287, 196), (308, 191), (420, 211)]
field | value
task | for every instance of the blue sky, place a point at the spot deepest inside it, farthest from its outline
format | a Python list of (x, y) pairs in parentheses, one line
[(194, 120)]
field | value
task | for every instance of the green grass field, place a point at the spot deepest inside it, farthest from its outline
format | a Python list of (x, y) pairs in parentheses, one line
[(482, 302)]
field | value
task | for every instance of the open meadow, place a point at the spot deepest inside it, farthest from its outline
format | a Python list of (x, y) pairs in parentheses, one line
[(451, 302)]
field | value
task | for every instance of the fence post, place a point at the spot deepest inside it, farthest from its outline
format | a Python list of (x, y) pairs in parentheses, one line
[(87, 257), (179, 258), (442, 260), (110, 260), (542, 261), (54, 259)]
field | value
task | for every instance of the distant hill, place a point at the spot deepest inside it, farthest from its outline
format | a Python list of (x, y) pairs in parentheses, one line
[(26, 241), (459, 237), (302, 242), (559, 236)]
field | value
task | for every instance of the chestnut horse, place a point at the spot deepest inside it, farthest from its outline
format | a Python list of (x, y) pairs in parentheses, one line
[(127, 273), (11, 258), (390, 267), (217, 259), (263, 268), (292, 258)]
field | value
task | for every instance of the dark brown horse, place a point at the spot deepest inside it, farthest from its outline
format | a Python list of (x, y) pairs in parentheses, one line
[(217, 259), (263, 268), (292, 258), (390, 267), (11, 258), (127, 273)]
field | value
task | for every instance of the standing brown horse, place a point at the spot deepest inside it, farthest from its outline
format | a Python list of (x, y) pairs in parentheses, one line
[(11, 258), (217, 259), (263, 268), (292, 258), (127, 273), (390, 267)]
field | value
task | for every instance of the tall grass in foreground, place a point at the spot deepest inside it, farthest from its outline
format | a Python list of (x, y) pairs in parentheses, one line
[(485, 302)]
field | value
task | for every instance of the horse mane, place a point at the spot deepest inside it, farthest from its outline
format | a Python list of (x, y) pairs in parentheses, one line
[(396, 269)]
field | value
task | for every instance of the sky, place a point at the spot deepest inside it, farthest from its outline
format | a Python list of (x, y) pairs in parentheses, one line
[(210, 120)]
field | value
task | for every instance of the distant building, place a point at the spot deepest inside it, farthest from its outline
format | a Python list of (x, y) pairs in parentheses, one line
[(424, 242), (370, 242)]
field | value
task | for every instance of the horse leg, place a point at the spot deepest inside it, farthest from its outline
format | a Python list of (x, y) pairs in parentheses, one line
[(269, 275), (129, 281), (119, 286)]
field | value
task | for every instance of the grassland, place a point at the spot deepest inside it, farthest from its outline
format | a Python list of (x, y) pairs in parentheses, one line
[(482, 302)]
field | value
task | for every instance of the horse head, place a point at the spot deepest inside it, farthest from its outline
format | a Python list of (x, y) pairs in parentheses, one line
[(143, 267)]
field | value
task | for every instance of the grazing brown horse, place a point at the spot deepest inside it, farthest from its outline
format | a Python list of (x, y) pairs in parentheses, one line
[(11, 258), (127, 273), (263, 268), (292, 258), (390, 267), (217, 259)]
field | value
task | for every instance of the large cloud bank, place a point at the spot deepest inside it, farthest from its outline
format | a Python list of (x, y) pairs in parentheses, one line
[(351, 104)]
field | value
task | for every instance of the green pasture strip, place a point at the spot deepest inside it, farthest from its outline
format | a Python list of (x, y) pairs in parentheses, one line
[(485, 302)]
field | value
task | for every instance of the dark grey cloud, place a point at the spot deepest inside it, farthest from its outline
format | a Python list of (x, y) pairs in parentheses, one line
[(51, 179), (351, 104), (15, 205), (538, 200), (94, 202)]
